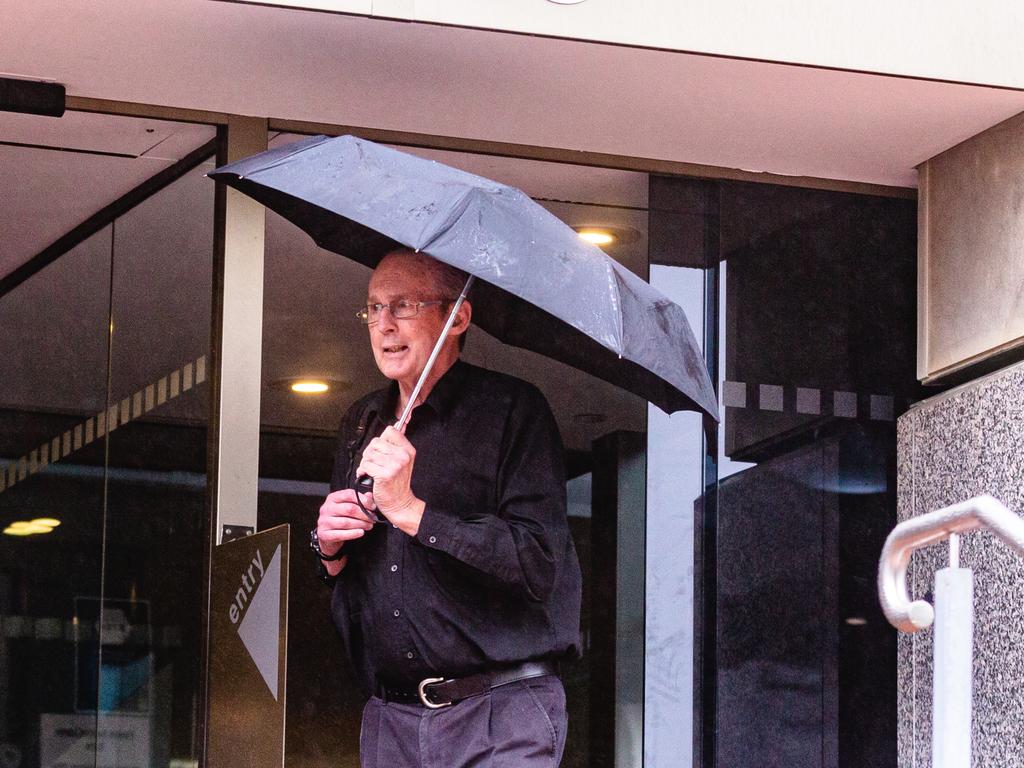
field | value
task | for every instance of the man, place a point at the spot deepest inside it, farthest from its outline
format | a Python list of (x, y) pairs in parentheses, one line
[(455, 611)]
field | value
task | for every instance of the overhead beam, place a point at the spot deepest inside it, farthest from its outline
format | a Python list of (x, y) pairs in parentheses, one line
[(580, 157)]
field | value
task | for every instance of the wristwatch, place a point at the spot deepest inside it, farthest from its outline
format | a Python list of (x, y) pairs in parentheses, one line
[(314, 544)]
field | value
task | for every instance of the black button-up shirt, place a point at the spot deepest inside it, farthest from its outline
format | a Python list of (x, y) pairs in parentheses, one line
[(492, 577)]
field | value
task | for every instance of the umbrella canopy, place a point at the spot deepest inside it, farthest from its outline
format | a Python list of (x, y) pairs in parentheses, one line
[(540, 286)]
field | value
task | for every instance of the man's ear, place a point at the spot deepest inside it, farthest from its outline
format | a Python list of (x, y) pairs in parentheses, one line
[(462, 319)]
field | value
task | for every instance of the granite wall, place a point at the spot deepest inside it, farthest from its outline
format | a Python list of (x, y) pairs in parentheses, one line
[(952, 447)]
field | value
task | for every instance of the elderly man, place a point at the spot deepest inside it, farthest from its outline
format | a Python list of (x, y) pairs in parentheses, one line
[(454, 611)]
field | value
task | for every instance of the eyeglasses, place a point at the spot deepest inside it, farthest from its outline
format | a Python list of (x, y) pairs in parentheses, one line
[(402, 309)]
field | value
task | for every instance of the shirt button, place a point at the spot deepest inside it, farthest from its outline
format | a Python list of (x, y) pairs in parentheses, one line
[(394, 568), (433, 539), (409, 655), (397, 613)]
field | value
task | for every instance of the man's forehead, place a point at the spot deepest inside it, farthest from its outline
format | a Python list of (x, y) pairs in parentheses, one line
[(401, 272)]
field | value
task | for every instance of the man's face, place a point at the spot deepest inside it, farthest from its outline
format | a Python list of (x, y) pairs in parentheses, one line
[(402, 347)]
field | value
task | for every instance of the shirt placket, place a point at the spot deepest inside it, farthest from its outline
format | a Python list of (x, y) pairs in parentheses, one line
[(397, 564), (396, 618)]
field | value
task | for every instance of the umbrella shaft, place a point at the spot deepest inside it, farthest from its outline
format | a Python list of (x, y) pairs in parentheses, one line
[(433, 356)]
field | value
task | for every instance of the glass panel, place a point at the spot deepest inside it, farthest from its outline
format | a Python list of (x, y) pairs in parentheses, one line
[(53, 371), (67, 417), (155, 518), (675, 489), (811, 297), (820, 336), (817, 300)]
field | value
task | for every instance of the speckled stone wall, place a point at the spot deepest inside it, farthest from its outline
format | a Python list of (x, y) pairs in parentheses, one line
[(953, 447)]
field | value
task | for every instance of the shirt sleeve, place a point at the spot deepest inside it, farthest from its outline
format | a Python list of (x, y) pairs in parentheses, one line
[(519, 545)]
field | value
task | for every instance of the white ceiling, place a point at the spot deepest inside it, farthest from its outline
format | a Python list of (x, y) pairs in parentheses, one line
[(347, 70)]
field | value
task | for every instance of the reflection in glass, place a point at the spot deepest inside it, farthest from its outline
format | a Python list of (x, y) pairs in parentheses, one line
[(151, 631), (52, 384), (103, 428), (820, 322)]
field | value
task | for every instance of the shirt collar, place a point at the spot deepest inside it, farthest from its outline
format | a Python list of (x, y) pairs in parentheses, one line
[(446, 391), (440, 400)]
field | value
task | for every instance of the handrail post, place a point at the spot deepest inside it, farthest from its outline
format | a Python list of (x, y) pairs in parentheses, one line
[(953, 669), (953, 614)]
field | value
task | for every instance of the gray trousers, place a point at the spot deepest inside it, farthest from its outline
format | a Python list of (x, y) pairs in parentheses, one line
[(514, 725)]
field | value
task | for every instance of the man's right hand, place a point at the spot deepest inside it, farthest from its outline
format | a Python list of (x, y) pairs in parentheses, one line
[(340, 520)]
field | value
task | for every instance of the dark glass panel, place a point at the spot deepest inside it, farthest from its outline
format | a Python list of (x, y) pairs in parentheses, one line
[(149, 680), (53, 372)]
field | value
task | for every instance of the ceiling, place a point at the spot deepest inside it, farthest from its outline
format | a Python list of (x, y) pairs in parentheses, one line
[(59, 172), (349, 70)]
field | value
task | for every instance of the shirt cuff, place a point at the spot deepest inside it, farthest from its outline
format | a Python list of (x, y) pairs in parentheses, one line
[(438, 531)]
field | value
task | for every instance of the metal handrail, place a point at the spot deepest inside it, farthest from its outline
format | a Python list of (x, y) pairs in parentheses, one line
[(923, 531)]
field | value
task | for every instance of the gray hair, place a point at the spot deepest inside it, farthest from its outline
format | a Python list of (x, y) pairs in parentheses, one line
[(448, 280)]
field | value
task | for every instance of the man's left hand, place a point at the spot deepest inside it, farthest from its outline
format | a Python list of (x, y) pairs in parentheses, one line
[(389, 460)]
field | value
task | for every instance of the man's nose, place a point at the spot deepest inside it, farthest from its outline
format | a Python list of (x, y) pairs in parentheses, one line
[(386, 318)]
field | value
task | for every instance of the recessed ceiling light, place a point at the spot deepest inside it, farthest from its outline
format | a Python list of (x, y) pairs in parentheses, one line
[(310, 386), (856, 621), (51, 522), (598, 237), (25, 528), (603, 235)]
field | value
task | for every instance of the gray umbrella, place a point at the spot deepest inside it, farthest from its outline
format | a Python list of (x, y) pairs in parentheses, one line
[(540, 286)]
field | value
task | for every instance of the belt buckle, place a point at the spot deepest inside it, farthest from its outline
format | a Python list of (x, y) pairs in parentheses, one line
[(422, 690)]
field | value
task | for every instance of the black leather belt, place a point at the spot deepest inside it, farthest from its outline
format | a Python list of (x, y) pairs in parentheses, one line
[(438, 692)]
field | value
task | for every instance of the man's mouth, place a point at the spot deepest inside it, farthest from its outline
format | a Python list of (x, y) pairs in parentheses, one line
[(393, 349)]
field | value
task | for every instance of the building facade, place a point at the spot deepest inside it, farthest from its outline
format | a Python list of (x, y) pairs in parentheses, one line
[(829, 193)]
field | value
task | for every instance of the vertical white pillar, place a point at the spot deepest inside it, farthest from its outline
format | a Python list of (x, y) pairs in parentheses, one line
[(953, 668), (241, 348)]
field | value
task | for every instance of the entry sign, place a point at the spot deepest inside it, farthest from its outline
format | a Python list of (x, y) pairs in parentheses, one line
[(248, 650)]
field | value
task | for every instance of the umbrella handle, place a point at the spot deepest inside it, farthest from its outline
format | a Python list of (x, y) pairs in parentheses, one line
[(364, 484)]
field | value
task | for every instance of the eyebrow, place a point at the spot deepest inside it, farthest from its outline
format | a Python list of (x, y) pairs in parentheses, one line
[(371, 299)]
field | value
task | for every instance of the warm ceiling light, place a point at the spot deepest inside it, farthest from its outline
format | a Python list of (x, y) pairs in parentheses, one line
[(25, 528), (310, 387), (310, 384), (597, 237), (50, 522)]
